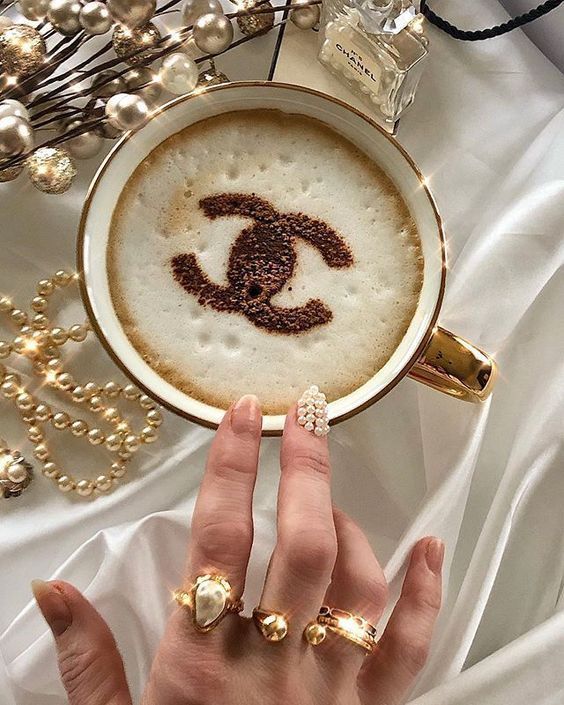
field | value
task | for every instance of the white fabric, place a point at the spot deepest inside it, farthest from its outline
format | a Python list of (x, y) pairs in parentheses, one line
[(487, 129)]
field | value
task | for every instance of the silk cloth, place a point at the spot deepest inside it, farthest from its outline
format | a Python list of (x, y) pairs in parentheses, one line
[(487, 129)]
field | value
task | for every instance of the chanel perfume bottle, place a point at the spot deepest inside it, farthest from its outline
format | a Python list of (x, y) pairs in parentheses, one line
[(377, 48)]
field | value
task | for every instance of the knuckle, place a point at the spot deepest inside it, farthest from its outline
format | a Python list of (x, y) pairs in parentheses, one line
[(425, 600), (221, 537), (308, 461), (311, 552), (227, 466), (413, 653), (375, 591)]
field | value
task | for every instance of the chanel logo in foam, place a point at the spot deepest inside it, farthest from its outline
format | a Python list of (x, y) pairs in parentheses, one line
[(261, 262)]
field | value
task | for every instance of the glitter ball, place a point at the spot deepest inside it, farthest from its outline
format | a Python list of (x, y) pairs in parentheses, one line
[(10, 173), (211, 77), (126, 41), (22, 49), (51, 169), (254, 24)]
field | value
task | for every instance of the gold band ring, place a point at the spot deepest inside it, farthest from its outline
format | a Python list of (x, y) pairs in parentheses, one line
[(272, 625), (345, 624), (209, 599)]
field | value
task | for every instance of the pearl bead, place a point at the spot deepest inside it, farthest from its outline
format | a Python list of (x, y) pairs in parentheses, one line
[(112, 390), (24, 401), (103, 483), (78, 333), (40, 321), (124, 454), (95, 18), (64, 16), (41, 451), (84, 488), (112, 415), (104, 88), (13, 107), (45, 287), (179, 73), (131, 443), (90, 388), (65, 381), (59, 336), (213, 33), (66, 483), (83, 146), (33, 9), (9, 390), (146, 402), (39, 304), (118, 470), (51, 470), (79, 428), (154, 418), (5, 350), (5, 304), (132, 13), (95, 403), (192, 9), (16, 136), (131, 392), (126, 111), (148, 435), (18, 317), (304, 17), (34, 434), (62, 278), (61, 420), (143, 82), (78, 394), (15, 378), (28, 416), (96, 436), (113, 442), (42, 412), (54, 365)]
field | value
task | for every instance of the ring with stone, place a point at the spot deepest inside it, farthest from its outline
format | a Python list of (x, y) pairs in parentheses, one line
[(272, 625), (209, 599), (346, 624)]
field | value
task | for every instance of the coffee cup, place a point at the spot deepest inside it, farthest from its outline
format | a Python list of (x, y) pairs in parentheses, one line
[(427, 352)]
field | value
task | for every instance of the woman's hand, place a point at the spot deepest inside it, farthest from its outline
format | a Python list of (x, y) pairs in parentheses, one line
[(321, 558)]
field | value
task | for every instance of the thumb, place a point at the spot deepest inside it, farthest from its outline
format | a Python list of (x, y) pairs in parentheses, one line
[(89, 662)]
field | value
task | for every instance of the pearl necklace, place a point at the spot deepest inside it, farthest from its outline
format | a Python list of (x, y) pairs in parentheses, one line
[(41, 342)]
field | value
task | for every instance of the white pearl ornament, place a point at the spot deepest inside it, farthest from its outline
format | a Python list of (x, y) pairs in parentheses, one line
[(192, 9), (313, 412), (179, 73), (213, 33), (33, 9), (304, 17), (95, 18), (85, 145), (126, 112), (132, 13), (16, 136), (64, 15), (13, 107)]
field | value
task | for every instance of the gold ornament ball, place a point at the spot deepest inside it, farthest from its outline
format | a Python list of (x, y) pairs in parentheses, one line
[(213, 33), (64, 15), (16, 137), (255, 24), (315, 633), (22, 50), (132, 13), (51, 169), (192, 9), (33, 9), (95, 18), (125, 41), (304, 17)]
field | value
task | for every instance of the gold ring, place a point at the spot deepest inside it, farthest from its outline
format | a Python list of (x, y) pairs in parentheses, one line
[(272, 625), (209, 600), (345, 624)]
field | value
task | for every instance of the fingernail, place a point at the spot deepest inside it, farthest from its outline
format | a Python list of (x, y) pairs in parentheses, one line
[(312, 412), (245, 415), (52, 605), (434, 555)]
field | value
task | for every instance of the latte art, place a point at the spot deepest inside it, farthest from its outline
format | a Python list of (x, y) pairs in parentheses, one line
[(261, 262), (262, 252)]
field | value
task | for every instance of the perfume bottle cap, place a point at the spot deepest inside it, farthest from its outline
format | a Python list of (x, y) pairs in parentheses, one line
[(385, 16)]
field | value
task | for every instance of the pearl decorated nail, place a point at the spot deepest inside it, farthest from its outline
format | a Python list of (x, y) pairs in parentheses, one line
[(313, 412)]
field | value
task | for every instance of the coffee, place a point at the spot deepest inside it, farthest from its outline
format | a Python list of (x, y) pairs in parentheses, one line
[(262, 252)]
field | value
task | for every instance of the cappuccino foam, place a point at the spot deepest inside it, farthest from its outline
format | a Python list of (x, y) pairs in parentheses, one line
[(261, 252)]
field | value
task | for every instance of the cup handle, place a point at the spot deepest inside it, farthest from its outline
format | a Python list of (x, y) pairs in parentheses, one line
[(454, 366)]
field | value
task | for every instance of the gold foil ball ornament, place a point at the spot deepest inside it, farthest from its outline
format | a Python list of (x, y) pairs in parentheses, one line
[(127, 41), (64, 15), (254, 24), (211, 77), (95, 18), (22, 50), (13, 107), (16, 137), (10, 173), (192, 9), (125, 111), (213, 33), (304, 17), (33, 9), (132, 13), (178, 73), (51, 169)]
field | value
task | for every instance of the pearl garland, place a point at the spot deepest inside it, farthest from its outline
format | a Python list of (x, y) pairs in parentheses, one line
[(40, 342)]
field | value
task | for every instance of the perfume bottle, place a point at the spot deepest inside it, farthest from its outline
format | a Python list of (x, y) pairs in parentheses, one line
[(377, 48)]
